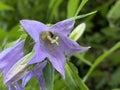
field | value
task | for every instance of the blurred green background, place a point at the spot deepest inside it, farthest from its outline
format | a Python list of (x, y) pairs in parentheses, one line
[(102, 32)]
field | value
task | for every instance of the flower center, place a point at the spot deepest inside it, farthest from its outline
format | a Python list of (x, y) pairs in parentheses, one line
[(49, 37)]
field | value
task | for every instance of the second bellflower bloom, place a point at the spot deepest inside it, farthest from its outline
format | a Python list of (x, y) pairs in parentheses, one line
[(8, 59), (52, 42), (36, 72), (14, 65), (10, 56)]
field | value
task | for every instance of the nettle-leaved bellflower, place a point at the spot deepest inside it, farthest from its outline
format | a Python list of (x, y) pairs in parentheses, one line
[(14, 66), (52, 42), (7, 60)]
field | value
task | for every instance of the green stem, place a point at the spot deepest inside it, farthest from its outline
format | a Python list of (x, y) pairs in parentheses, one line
[(100, 59), (80, 6), (82, 16), (83, 59)]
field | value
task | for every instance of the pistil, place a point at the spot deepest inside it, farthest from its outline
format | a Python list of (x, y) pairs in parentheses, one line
[(53, 40)]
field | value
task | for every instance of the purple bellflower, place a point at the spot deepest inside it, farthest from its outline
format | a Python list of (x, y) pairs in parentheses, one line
[(25, 72), (8, 58), (14, 68), (52, 42), (36, 72)]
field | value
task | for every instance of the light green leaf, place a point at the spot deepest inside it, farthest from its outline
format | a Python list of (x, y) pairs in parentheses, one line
[(14, 32), (51, 4), (72, 80), (72, 7), (5, 7), (3, 33)]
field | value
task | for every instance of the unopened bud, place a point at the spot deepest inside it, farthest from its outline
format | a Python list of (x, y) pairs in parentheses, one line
[(77, 32)]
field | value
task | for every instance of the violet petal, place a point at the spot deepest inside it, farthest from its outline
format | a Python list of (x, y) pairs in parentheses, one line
[(27, 78), (64, 27), (33, 28), (2, 55), (41, 81), (11, 56), (19, 87), (57, 58), (36, 72), (39, 54), (71, 47), (11, 87)]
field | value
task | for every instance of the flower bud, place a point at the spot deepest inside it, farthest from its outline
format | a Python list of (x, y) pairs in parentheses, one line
[(77, 32)]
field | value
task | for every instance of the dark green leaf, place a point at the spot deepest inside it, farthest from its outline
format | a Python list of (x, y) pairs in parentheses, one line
[(28, 46), (72, 80), (49, 76)]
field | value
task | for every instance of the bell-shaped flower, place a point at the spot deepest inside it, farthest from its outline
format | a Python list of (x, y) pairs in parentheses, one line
[(14, 65), (10, 56), (8, 59), (36, 72), (52, 42)]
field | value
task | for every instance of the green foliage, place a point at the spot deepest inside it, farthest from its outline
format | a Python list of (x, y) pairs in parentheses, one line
[(72, 7), (28, 46), (53, 10), (49, 76), (99, 67), (5, 7), (114, 15), (83, 2), (72, 80), (100, 59)]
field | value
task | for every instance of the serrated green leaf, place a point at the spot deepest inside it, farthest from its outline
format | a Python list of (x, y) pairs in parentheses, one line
[(72, 80)]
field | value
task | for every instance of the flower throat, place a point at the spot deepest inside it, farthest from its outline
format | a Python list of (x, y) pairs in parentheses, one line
[(49, 36)]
